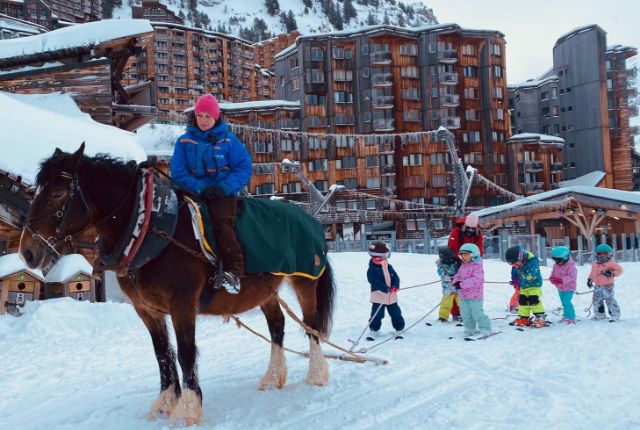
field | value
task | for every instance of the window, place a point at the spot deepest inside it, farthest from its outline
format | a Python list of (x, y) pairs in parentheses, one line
[(343, 97), (295, 84), (350, 183), (497, 92), (264, 147), (497, 71), (317, 165), (315, 99), (415, 182), (497, 136), (554, 92), (265, 189), (409, 49), (410, 93), (289, 144), (499, 113), (342, 75), (346, 163), (315, 76), (353, 205), (317, 54), (472, 115), (373, 182), (338, 53), (496, 49), (343, 141), (321, 185), (371, 204), (316, 142), (471, 93), (471, 137), (409, 72), (365, 49), (473, 158), (315, 121), (367, 117), (411, 116), (609, 84), (440, 201), (344, 119), (365, 72), (437, 158), (470, 71), (372, 161), (412, 160), (554, 110), (293, 62), (292, 187), (468, 50), (341, 206), (438, 181)]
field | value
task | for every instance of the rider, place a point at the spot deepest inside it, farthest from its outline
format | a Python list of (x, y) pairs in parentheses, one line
[(210, 161)]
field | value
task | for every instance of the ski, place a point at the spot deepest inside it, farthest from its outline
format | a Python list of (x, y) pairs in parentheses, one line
[(475, 338), (533, 327)]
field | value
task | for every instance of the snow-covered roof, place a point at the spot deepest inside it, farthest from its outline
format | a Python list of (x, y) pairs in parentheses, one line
[(80, 35), (620, 48), (33, 125), (602, 195), (159, 139), (591, 179), (12, 263), (67, 267), (15, 24), (29, 68), (574, 32), (534, 83), (260, 104), (535, 136)]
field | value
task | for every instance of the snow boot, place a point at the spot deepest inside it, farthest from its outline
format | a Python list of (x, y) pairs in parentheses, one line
[(372, 335), (399, 334), (522, 322)]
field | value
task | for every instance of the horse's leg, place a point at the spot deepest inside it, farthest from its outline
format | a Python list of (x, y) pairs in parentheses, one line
[(189, 408), (318, 373), (276, 374), (169, 381)]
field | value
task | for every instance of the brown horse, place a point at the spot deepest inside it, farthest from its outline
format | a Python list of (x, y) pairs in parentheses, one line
[(76, 192)]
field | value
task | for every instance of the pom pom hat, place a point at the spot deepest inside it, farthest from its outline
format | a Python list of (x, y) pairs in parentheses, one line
[(208, 104), (471, 220)]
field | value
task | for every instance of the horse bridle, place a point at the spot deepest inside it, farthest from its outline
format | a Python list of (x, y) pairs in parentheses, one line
[(52, 241)]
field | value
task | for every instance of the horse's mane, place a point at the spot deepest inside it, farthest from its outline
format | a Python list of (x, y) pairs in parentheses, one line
[(101, 166)]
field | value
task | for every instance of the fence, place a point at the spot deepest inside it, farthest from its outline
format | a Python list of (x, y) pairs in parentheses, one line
[(626, 247)]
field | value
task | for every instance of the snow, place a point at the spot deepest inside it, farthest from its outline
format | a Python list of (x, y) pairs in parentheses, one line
[(547, 138), (591, 179), (38, 124), (11, 264), (90, 366), (69, 266), (80, 35), (159, 139), (260, 104)]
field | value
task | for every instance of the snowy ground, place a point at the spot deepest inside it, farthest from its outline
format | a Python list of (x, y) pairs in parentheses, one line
[(74, 365)]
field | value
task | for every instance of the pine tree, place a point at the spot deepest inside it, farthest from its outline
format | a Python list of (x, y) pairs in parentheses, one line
[(401, 21), (308, 3), (293, 25), (371, 19), (349, 11), (338, 21), (273, 7), (385, 20)]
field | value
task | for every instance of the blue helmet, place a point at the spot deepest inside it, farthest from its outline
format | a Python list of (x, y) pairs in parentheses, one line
[(603, 247), (560, 253), (471, 249)]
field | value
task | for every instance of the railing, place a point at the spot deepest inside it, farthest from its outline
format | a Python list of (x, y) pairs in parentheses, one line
[(380, 57), (533, 166), (382, 101), (450, 100), (450, 56), (451, 122), (383, 124), (556, 167), (449, 78), (382, 79)]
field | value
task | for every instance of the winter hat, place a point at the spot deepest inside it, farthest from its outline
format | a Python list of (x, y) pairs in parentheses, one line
[(603, 247), (561, 253), (379, 249), (471, 249), (208, 104), (471, 221), (446, 255), (514, 254)]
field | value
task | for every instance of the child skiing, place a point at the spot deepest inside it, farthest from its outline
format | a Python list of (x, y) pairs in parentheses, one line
[(384, 283), (448, 266), (469, 282), (603, 270), (563, 276), (525, 271)]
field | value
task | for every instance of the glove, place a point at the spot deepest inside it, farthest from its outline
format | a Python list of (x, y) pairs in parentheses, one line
[(446, 278), (555, 281), (589, 283), (608, 273), (456, 285), (515, 283), (213, 192), (393, 290)]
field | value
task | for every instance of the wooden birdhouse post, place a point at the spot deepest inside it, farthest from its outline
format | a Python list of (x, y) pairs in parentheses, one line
[(71, 277), (18, 284)]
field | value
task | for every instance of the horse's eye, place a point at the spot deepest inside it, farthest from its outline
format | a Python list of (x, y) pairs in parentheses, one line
[(56, 194)]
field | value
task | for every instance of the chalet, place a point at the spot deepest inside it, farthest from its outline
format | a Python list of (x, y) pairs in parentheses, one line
[(18, 284), (72, 276)]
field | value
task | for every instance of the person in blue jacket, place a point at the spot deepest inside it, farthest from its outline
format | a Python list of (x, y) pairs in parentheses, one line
[(525, 272), (211, 162)]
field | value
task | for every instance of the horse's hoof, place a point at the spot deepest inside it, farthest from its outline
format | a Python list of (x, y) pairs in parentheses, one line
[(188, 411), (318, 376), (164, 404), (273, 380)]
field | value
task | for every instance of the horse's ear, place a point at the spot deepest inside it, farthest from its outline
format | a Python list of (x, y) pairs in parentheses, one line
[(77, 156), (58, 151)]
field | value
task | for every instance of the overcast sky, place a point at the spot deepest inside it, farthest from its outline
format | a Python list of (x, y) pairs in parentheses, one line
[(531, 28)]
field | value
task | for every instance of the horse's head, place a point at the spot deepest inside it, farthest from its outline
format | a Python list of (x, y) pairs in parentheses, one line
[(58, 211)]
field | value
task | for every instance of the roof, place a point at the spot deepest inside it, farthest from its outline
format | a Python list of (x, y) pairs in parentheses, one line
[(67, 267), (260, 104), (11, 264), (574, 32), (604, 197), (591, 179), (534, 83), (84, 35), (33, 125), (547, 138)]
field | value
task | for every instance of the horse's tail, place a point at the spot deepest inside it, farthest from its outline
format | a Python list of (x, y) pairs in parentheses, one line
[(325, 294)]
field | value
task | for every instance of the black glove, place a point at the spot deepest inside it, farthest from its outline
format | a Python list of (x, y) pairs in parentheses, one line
[(608, 273), (456, 285), (213, 192), (589, 283)]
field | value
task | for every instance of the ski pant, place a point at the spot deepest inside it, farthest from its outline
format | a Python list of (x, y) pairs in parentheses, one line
[(513, 302), (530, 301), (449, 305), (473, 316), (605, 294), (568, 312), (394, 312), (223, 215)]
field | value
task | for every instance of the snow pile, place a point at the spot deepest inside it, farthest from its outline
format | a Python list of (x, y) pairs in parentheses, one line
[(89, 366)]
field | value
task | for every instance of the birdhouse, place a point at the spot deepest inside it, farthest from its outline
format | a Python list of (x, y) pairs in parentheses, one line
[(71, 277), (18, 284)]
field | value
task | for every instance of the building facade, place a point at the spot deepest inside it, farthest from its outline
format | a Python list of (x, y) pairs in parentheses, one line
[(584, 99), (34, 11)]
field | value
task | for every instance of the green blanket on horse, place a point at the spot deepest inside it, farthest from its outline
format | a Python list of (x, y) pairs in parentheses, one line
[(276, 237)]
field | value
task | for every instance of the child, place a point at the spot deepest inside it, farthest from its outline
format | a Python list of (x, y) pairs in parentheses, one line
[(469, 282), (563, 276), (603, 270), (384, 286), (448, 266), (526, 271)]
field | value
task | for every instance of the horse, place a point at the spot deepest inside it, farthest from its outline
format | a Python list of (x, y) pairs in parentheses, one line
[(76, 194)]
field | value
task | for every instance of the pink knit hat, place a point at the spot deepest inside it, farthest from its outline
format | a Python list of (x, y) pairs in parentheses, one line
[(471, 221), (208, 104)]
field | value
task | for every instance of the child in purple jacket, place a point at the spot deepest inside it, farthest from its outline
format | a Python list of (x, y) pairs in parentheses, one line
[(563, 276), (469, 282)]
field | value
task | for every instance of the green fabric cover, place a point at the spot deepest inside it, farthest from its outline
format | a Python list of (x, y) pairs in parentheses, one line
[(277, 237)]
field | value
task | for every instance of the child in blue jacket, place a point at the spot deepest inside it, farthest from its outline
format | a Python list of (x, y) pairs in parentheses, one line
[(384, 283), (525, 272)]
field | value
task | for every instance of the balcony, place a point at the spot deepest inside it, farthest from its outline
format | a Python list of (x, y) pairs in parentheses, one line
[(382, 102), (383, 124), (290, 124), (632, 92), (633, 110), (450, 100), (533, 166), (380, 57), (632, 72), (387, 170), (449, 78), (556, 167), (634, 130), (448, 57), (450, 122), (532, 187), (381, 80)]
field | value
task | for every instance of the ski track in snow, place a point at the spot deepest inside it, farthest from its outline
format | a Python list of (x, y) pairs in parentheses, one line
[(73, 365)]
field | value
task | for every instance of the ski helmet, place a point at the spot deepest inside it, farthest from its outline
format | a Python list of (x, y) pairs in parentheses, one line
[(379, 249), (603, 247), (471, 249), (446, 255), (560, 253), (514, 254)]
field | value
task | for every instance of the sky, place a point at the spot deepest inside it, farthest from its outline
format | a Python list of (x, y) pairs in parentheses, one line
[(531, 28)]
